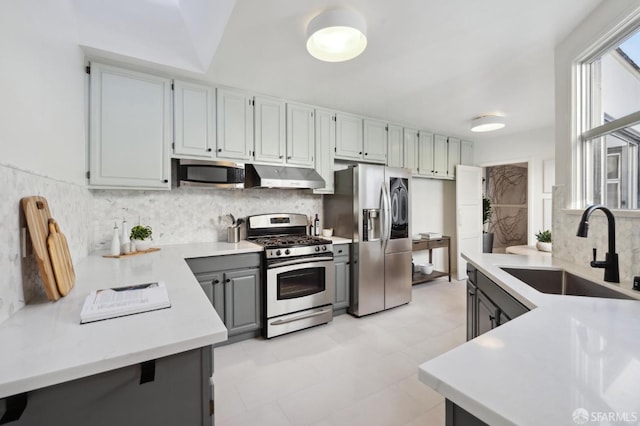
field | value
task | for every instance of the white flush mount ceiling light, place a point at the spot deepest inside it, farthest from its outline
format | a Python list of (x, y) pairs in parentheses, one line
[(487, 123), (337, 35)]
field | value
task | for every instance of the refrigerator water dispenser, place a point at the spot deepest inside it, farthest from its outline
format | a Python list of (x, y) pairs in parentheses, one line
[(372, 227)]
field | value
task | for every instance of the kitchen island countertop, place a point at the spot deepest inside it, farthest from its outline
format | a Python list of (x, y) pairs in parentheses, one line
[(44, 343), (568, 353)]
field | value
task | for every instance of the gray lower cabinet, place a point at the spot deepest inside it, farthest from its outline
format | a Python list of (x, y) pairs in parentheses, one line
[(173, 390), (233, 285), (342, 278), (488, 305)]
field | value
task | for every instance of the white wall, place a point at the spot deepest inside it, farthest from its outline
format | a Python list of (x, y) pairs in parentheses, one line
[(535, 147), (42, 143), (602, 23), (433, 209), (41, 81)]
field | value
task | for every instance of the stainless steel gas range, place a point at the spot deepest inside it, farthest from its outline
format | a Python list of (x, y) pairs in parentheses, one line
[(298, 273)]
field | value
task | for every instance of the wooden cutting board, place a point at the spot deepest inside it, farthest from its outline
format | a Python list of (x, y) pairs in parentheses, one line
[(36, 212), (60, 259)]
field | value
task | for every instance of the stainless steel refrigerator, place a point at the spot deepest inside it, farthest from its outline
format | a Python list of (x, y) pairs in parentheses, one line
[(371, 204)]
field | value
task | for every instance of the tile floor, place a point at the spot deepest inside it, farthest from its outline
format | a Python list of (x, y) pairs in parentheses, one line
[(352, 371)]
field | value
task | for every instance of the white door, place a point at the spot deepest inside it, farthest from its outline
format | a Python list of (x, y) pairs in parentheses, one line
[(130, 129), (194, 120), (375, 141), (234, 125), (300, 135), (269, 130), (394, 146), (468, 214)]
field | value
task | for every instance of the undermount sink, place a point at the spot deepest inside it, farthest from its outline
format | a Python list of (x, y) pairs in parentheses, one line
[(563, 282)]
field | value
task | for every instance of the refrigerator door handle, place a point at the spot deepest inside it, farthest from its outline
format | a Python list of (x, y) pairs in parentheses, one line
[(387, 214)]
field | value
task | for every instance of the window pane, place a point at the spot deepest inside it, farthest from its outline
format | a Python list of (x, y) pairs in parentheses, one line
[(614, 169), (611, 104), (620, 80)]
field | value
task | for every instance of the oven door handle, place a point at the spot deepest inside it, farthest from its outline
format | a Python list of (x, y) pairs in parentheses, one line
[(299, 262), (298, 318)]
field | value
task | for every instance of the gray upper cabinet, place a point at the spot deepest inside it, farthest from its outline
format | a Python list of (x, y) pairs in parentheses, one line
[(395, 146), (193, 120), (234, 113), (466, 153), (325, 143), (129, 129), (453, 156), (375, 141), (269, 128), (440, 154), (425, 153), (348, 137), (300, 135), (410, 150)]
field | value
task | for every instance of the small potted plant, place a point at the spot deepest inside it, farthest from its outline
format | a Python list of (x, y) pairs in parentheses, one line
[(544, 240), (141, 237)]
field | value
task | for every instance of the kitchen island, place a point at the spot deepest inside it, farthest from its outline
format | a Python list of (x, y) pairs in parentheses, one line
[(569, 357), (47, 351)]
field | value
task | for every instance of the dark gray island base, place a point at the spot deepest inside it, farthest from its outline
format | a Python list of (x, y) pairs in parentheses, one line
[(456, 416), (173, 390)]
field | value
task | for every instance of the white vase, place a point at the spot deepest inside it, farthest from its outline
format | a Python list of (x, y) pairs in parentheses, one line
[(543, 246), (141, 245)]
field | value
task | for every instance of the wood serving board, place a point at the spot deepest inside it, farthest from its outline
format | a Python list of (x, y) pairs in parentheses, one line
[(60, 259), (36, 212), (135, 253)]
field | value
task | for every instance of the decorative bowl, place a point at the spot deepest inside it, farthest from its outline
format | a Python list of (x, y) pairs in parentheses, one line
[(327, 232)]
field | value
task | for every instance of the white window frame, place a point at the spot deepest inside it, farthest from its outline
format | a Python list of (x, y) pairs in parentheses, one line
[(584, 113)]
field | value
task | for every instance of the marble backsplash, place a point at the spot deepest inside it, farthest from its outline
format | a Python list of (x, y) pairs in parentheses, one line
[(567, 246), (69, 204), (185, 215)]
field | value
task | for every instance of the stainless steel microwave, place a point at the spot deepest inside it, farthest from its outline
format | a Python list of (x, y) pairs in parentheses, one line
[(213, 174)]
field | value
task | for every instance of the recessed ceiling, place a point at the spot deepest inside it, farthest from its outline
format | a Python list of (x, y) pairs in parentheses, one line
[(430, 64)]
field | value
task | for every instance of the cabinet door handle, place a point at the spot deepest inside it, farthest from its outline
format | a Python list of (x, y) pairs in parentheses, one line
[(219, 149), (347, 263), (289, 158), (360, 153), (208, 149), (366, 153), (165, 181), (228, 280), (216, 281), (339, 251), (15, 405), (281, 156)]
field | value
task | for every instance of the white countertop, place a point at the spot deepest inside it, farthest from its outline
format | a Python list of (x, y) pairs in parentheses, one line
[(568, 353), (339, 240), (44, 343)]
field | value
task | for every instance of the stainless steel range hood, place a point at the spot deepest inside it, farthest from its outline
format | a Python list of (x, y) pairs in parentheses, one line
[(260, 176)]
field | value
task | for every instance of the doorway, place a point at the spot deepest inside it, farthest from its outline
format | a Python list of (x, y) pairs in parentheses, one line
[(507, 187)]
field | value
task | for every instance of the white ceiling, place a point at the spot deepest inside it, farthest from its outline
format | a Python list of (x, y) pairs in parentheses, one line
[(431, 64)]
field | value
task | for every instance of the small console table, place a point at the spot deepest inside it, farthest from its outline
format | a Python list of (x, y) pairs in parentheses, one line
[(424, 244)]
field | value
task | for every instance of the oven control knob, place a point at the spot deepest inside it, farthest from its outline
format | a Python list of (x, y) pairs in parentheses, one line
[(278, 252), (324, 248), (287, 251), (317, 248)]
